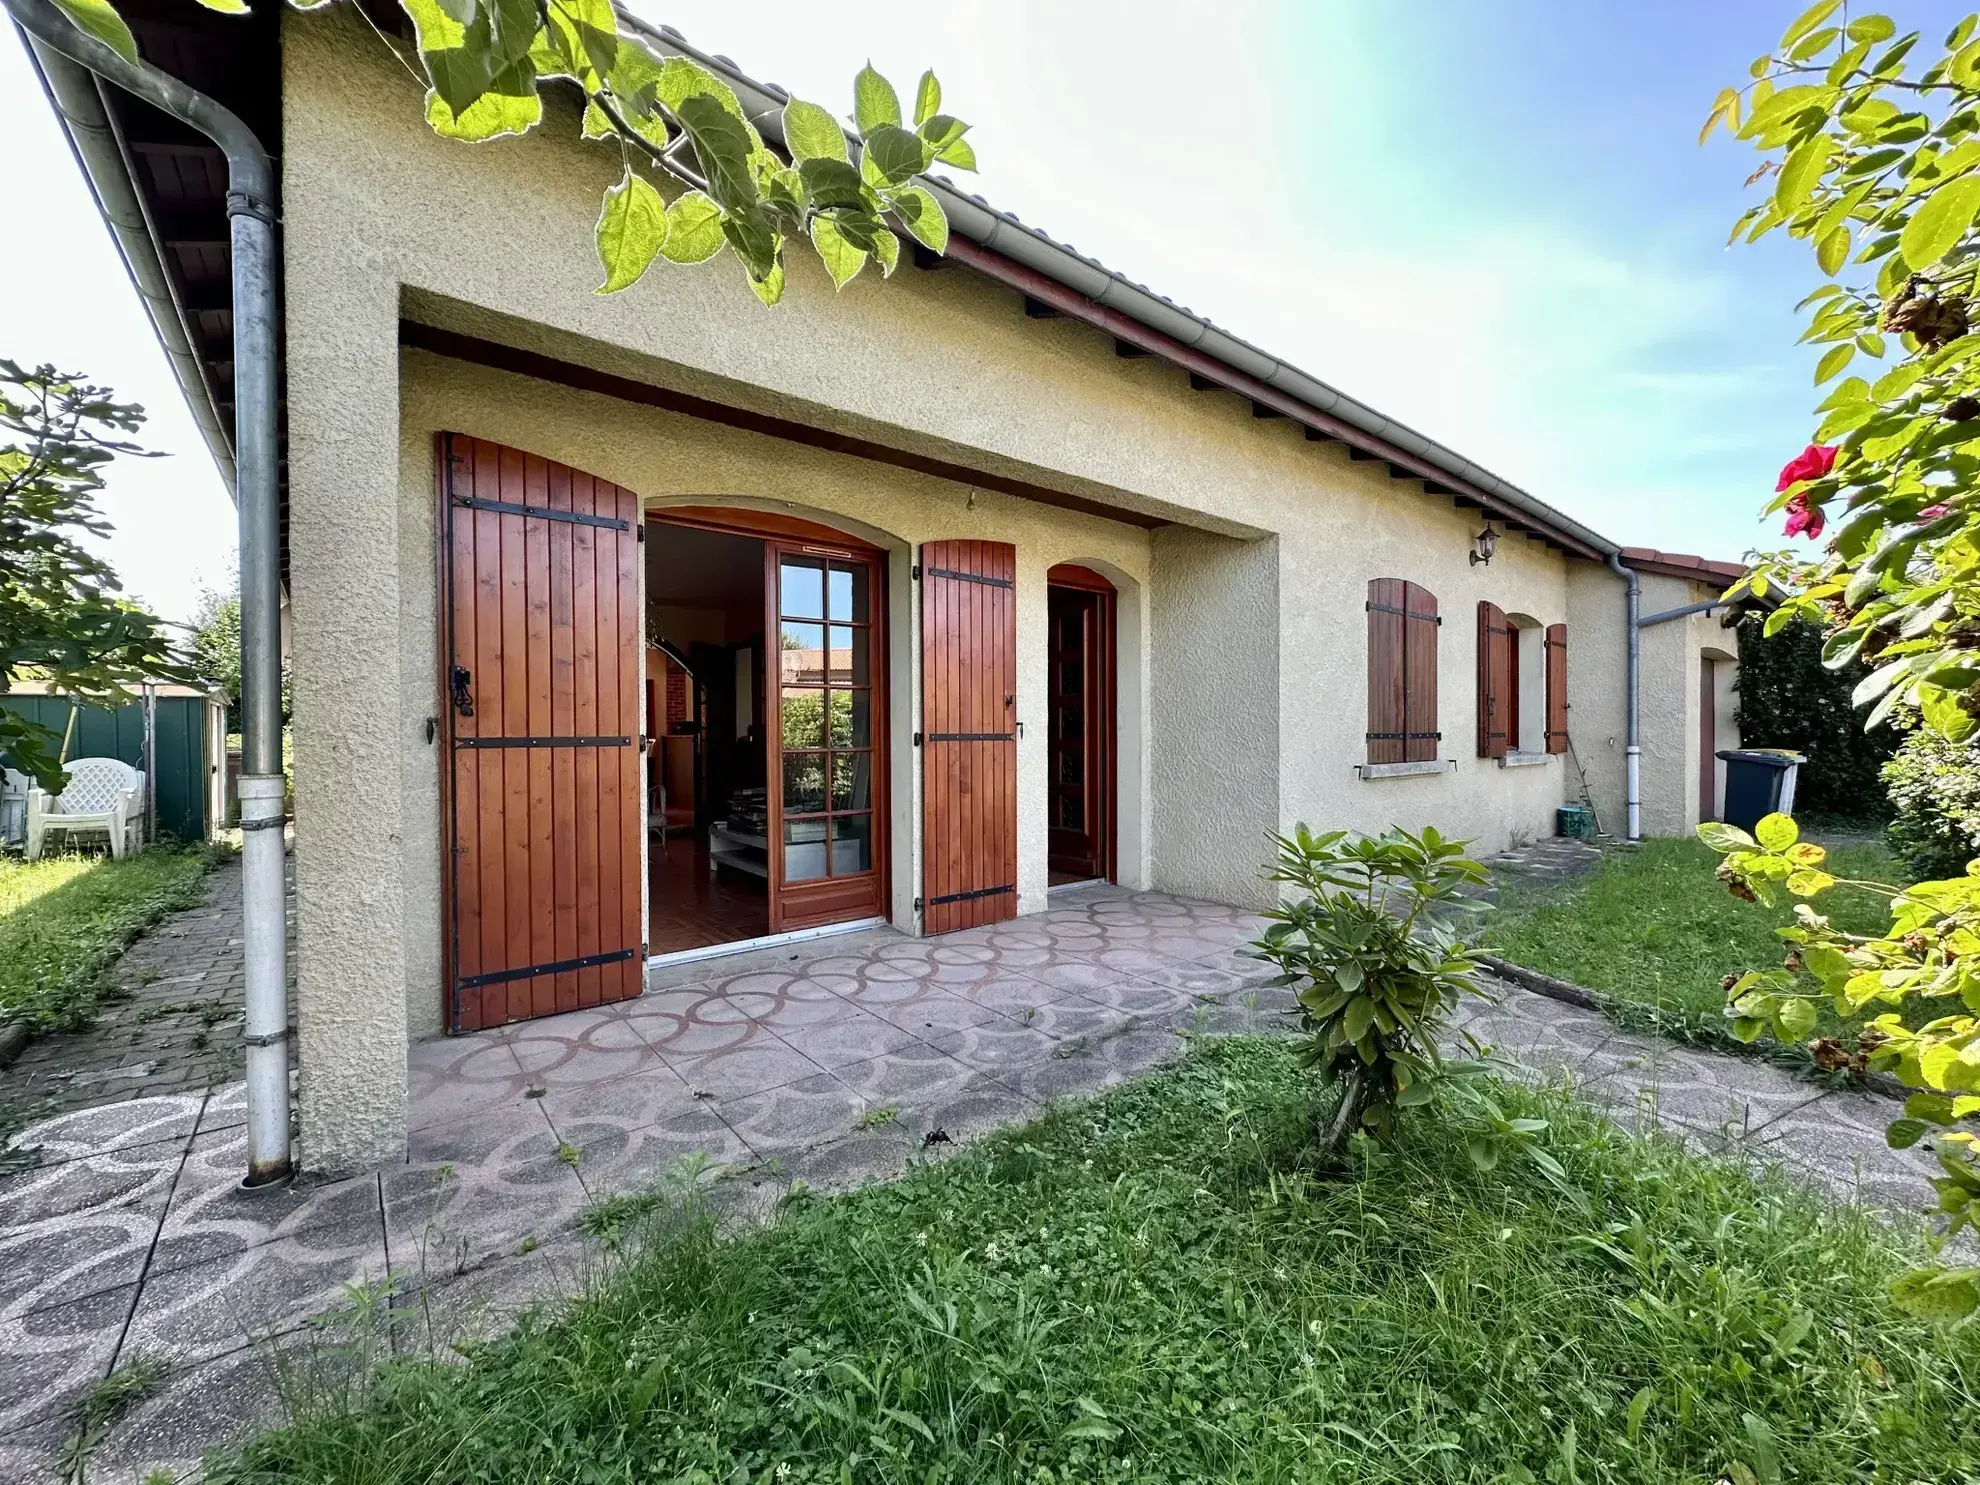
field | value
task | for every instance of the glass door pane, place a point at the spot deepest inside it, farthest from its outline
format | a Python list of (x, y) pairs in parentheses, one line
[(825, 695)]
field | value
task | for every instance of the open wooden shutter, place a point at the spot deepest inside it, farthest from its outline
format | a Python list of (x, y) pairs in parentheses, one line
[(540, 606), (1494, 681), (1385, 670), (1557, 708), (1420, 625), (969, 737), (1402, 672)]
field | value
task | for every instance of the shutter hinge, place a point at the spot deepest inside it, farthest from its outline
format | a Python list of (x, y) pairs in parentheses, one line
[(914, 572), (917, 739), (917, 904), (639, 531)]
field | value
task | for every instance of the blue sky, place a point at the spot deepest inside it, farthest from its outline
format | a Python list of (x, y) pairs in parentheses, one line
[(1491, 221)]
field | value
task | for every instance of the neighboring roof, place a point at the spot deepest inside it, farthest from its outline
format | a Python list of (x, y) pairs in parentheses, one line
[(1683, 565), (178, 259)]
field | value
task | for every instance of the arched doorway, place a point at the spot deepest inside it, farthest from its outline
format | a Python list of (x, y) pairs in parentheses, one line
[(1081, 628)]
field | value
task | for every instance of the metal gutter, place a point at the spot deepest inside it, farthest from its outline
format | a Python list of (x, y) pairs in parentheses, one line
[(1131, 311), (251, 226), (74, 94)]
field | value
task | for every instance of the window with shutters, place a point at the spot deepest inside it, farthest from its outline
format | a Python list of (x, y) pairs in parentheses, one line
[(1402, 672), (1495, 683)]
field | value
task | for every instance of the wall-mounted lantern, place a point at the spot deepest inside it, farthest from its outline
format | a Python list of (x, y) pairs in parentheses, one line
[(1483, 545)]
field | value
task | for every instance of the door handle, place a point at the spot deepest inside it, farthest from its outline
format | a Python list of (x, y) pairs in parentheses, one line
[(463, 696)]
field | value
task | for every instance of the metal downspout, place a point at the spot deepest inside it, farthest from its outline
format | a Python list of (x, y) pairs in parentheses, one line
[(1682, 613), (1632, 792), (251, 225)]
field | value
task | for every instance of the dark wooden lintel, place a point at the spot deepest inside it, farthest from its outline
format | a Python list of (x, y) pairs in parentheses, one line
[(1431, 487), (1465, 502), (1127, 350), (1318, 435), (1200, 383), (1360, 456), (928, 258), (1397, 472), (1038, 309), (543, 368), (1263, 410)]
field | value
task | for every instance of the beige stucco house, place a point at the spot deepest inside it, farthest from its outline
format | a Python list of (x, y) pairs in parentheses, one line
[(653, 623)]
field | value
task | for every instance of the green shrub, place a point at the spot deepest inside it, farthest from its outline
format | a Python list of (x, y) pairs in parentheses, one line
[(1368, 947), (1789, 699), (1934, 789)]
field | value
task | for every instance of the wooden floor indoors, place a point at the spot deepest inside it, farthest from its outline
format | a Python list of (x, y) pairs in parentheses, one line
[(694, 910)]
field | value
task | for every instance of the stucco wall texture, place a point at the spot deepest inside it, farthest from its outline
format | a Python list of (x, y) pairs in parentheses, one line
[(1242, 628)]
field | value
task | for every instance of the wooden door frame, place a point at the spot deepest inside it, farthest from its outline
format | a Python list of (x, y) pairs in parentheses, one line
[(778, 532), (1085, 579), (1708, 738)]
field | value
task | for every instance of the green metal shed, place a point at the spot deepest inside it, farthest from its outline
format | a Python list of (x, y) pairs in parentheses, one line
[(185, 792)]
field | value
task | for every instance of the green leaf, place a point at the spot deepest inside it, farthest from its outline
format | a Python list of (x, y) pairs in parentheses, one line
[(1832, 362), (961, 154), (1723, 838), (886, 252), (830, 183), (1902, 1134), (226, 7), (1776, 832), (874, 101), (1872, 29), (1799, 172), (842, 260), (1358, 1017), (1833, 250), (894, 156), (632, 227), (489, 117), (1941, 1298), (923, 217), (100, 19), (723, 146), (770, 287), (1766, 1456), (927, 99), (694, 229), (1795, 1019), (1808, 21), (1939, 223), (1748, 1028), (941, 131), (812, 133)]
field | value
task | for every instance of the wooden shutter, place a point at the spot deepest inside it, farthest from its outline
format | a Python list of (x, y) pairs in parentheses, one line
[(1557, 706), (969, 734), (1402, 672), (540, 610), (1385, 670), (1494, 682), (1420, 625)]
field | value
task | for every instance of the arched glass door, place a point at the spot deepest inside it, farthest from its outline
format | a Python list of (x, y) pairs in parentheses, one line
[(828, 788)]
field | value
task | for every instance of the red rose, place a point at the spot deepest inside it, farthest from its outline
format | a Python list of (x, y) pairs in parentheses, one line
[(1810, 464), (1804, 519)]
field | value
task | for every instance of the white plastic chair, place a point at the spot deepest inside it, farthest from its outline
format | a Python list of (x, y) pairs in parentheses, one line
[(103, 795), (13, 807)]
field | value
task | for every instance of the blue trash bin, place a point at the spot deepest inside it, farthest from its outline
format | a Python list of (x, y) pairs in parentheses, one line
[(1759, 782)]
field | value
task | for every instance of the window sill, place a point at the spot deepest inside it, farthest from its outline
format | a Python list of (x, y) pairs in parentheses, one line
[(1372, 771), (1524, 760)]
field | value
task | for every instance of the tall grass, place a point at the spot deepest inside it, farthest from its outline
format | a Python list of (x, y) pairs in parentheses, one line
[(1158, 1286), (64, 920)]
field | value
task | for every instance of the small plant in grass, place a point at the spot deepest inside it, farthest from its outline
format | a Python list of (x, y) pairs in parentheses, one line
[(1368, 944), (106, 1402), (1927, 958)]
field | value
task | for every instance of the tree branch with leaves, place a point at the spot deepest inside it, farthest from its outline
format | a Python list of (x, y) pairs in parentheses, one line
[(1872, 145), (696, 175), (61, 619)]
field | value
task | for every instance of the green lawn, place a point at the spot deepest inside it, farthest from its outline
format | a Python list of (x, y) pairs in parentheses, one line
[(1652, 927), (1156, 1287), (65, 919)]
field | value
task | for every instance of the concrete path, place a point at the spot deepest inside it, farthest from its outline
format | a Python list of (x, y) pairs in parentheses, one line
[(826, 1063)]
